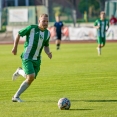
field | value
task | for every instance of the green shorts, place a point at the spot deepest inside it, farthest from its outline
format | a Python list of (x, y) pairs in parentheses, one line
[(31, 66), (101, 40)]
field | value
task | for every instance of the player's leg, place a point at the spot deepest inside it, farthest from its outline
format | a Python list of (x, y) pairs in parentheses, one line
[(103, 42), (29, 70), (99, 41), (23, 87), (58, 41), (18, 72), (36, 65)]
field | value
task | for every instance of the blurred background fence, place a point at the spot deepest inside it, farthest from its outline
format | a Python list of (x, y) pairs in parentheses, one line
[(77, 13)]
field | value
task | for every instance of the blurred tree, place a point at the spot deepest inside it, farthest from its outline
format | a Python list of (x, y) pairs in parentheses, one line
[(68, 8), (74, 11), (57, 11), (89, 6), (102, 4)]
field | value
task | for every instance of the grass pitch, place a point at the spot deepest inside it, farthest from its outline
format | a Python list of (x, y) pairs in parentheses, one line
[(76, 71)]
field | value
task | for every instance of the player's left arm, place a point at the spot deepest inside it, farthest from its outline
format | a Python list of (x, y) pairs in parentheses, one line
[(46, 47), (107, 25), (63, 26), (47, 51)]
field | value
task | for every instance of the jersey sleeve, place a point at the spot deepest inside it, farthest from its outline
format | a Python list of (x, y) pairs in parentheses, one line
[(25, 31), (48, 39), (62, 24), (96, 23)]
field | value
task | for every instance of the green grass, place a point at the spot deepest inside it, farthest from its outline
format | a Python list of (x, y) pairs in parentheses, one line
[(75, 72)]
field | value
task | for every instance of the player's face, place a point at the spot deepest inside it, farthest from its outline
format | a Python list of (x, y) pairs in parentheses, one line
[(43, 22), (102, 16), (57, 18)]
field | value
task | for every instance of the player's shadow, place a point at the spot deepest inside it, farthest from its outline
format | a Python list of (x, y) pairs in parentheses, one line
[(95, 100), (90, 101), (99, 100), (80, 109)]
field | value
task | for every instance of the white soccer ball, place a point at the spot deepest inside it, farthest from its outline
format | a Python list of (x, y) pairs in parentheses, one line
[(64, 104)]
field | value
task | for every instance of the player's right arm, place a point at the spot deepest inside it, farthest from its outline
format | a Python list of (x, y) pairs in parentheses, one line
[(97, 27), (96, 24), (22, 32), (55, 26), (14, 50)]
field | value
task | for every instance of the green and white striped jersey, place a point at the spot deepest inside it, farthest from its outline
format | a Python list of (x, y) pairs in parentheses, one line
[(35, 41), (101, 32)]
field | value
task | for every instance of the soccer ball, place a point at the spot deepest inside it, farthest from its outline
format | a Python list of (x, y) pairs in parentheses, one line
[(64, 104)]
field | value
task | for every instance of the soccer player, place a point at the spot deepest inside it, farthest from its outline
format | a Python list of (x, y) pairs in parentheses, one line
[(102, 26), (37, 38), (58, 28)]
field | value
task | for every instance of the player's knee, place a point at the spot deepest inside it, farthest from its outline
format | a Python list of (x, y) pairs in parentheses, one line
[(99, 45), (30, 78), (103, 45)]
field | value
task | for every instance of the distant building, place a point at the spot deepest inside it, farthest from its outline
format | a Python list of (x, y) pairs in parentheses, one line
[(7, 3), (111, 8)]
